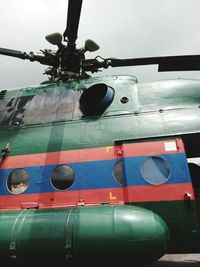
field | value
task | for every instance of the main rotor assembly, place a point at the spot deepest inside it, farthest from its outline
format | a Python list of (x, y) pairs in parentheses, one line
[(68, 62)]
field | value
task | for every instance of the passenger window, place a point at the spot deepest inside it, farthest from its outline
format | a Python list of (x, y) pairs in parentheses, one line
[(118, 172), (18, 181), (62, 177), (155, 170)]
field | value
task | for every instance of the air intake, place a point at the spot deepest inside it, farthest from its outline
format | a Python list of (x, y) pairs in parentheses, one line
[(96, 99)]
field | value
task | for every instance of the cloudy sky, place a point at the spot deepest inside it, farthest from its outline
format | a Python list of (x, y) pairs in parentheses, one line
[(122, 28)]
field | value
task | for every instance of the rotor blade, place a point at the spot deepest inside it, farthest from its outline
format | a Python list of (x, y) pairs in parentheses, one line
[(44, 57), (166, 63), (181, 63), (13, 53), (73, 16)]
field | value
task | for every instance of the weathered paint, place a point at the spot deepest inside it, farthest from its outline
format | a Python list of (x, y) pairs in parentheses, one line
[(154, 109), (164, 110)]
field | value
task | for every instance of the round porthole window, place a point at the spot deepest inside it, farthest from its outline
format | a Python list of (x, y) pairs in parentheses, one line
[(155, 170), (118, 172), (18, 181), (62, 177)]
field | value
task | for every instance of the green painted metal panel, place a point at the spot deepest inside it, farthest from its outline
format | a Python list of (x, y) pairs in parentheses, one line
[(154, 109)]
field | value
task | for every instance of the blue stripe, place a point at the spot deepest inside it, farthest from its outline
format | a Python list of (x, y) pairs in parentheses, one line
[(98, 174), (179, 172)]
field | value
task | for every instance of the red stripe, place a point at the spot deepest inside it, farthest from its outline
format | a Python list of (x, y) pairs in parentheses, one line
[(165, 192), (153, 148), (97, 196), (91, 154), (61, 157), (62, 199)]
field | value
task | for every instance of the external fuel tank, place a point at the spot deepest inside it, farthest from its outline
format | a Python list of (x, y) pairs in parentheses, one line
[(106, 233)]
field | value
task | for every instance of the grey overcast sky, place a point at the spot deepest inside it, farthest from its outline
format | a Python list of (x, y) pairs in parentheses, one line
[(122, 28)]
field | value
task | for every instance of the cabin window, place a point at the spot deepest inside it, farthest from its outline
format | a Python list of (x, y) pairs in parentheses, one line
[(18, 181), (155, 170), (62, 177), (118, 171)]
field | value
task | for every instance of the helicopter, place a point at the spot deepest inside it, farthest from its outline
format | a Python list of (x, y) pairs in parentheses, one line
[(98, 169)]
